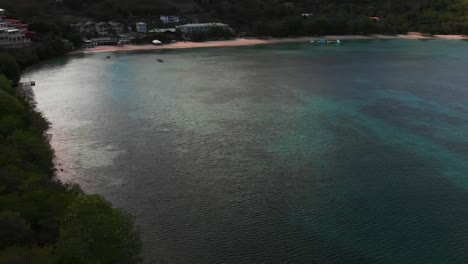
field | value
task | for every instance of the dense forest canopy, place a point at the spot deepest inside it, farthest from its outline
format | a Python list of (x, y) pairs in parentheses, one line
[(275, 17)]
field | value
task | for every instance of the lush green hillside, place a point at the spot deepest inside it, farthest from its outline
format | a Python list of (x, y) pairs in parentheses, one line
[(277, 17), (41, 220), (341, 16)]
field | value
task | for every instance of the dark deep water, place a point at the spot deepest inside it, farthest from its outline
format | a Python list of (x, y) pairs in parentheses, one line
[(273, 154)]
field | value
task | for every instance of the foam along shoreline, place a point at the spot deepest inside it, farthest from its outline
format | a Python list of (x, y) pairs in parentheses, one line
[(254, 41)]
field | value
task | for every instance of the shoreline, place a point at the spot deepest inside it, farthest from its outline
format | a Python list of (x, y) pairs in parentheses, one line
[(256, 41)]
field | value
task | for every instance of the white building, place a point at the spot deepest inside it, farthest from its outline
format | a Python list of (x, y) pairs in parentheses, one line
[(13, 37), (2, 11), (169, 19), (191, 28), (141, 27)]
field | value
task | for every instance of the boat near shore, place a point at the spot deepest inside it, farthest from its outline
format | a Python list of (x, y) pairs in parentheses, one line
[(324, 41)]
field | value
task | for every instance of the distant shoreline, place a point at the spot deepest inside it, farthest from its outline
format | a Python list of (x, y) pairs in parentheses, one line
[(256, 41)]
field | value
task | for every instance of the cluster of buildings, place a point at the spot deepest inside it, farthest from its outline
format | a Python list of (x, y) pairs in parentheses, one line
[(99, 28), (13, 33), (115, 28), (115, 33), (186, 29)]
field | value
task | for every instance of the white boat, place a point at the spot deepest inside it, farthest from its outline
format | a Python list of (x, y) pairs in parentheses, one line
[(156, 42)]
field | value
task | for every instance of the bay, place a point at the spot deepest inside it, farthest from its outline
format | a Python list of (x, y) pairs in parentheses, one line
[(291, 153)]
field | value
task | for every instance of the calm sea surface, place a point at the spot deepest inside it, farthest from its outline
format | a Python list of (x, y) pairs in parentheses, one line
[(290, 153)]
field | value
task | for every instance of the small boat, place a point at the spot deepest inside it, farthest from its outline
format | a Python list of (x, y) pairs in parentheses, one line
[(160, 60), (324, 41), (108, 57)]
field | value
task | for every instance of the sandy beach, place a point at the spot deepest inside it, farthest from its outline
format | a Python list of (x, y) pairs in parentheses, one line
[(254, 41)]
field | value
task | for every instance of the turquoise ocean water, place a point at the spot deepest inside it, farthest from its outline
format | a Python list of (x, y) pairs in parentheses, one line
[(290, 153)]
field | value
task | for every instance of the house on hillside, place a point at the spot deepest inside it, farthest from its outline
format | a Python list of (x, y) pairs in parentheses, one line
[(3, 24), (188, 29), (88, 27), (2, 12), (22, 27), (141, 27), (14, 33), (169, 19), (116, 27), (13, 37), (102, 28), (12, 22)]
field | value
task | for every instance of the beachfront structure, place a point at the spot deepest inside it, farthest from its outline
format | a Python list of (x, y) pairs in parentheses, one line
[(2, 11), (201, 27), (124, 39), (169, 19), (100, 28), (163, 30), (13, 37), (103, 41), (141, 27)]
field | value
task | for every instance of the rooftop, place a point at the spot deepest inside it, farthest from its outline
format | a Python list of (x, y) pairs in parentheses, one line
[(205, 25), (162, 30), (112, 23)]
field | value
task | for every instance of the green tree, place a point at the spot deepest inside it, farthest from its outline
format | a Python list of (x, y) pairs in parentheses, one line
[(10, 68), (94, 232), (13, 229), (23, 255)]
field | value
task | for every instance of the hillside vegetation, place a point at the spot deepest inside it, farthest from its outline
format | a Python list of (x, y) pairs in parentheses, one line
[(276, 17), (42, 220)]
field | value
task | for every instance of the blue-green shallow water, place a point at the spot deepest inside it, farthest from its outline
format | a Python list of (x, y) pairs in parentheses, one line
[(273, 154)]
